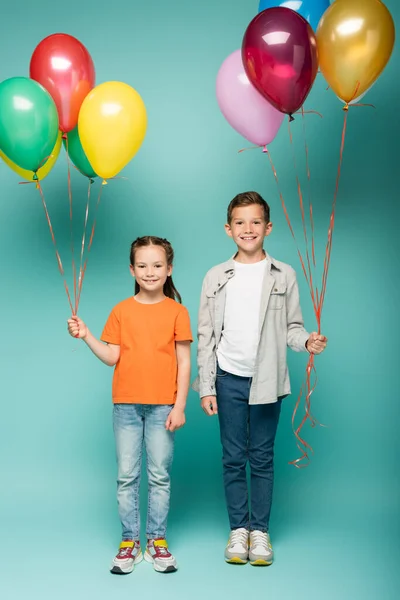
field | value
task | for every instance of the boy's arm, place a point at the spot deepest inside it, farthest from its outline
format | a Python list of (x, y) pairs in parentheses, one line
[(206, 349), (297, 336)]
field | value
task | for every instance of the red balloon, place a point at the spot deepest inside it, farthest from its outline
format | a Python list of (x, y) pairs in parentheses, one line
[(279, 54), (65, 68)]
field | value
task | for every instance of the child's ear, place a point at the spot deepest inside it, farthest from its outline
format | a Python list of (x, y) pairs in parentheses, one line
[(268, 229), (169, 270), (228, 230), (132, 270)]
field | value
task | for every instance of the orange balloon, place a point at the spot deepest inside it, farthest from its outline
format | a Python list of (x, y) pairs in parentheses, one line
[(355, 41)]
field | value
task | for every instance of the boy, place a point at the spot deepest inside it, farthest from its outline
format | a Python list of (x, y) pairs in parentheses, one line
[(249, 313)]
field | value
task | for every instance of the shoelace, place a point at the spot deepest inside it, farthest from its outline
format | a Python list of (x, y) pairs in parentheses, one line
[(259, 538), (239, 536), (123, 552)]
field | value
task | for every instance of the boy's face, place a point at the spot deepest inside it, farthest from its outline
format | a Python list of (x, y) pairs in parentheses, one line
[(248, 228)]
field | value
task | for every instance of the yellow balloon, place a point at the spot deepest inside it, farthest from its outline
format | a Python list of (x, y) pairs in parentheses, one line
[(355, 41), (112, 125), (44, 170)]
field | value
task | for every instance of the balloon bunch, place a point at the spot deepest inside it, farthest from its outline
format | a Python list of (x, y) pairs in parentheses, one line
[(351, 42), (103, 127)]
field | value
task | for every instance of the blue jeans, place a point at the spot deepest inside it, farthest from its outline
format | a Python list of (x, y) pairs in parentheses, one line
[(137, 426), (247, 434)]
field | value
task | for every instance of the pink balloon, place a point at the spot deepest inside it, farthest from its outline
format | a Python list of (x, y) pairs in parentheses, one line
[(245, 109)]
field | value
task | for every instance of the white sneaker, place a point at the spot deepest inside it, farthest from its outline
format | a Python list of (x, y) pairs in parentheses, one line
[(261, 553), (161, 558), (237, 549)]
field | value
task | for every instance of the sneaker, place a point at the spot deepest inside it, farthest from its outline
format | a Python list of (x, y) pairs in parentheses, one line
[(261, 553), (161, 558), (237, 549), (128, 556)]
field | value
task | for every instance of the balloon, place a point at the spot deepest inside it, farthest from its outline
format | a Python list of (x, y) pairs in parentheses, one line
[(357, 100), (355, 41), (43, 171), (28, 122), (311, 10), (279, 54), (243, 107), (77, 154), (112, 125), (65, 68)]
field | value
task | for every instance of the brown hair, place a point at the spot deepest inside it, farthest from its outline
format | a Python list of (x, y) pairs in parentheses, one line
[(150, 240), (247, 199)]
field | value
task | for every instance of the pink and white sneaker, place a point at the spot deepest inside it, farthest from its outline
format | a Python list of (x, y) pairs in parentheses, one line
[(161, 558), (129, 555)]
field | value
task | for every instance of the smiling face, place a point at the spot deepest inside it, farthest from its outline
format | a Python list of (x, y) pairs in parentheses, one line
[(150, 268), (248, 228)]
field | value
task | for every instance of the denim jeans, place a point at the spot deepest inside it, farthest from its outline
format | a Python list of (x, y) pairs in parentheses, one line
[(247, 434), (137, 426)]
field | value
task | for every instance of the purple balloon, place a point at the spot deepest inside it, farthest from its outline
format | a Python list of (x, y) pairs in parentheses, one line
[(245, 109)]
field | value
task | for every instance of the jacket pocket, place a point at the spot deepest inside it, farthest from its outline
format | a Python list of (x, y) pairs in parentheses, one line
[(277, 297), (211, 304), (211, 293)]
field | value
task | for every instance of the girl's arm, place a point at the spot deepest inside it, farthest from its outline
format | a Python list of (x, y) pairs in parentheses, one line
[(183, 359), (107, 353), (176, 418)]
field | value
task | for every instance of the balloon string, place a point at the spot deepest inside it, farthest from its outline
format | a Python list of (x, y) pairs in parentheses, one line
[(250, 148), (43, 162), (82, 276), (309, 278), (286, 213), (308, 388), (83, 243), (360, 104), (309, 112), (310, 207), (71, 225), (302, 445), (332, 219), (59, 262)]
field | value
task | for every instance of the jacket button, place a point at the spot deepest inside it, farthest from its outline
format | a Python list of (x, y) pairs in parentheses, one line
[(275, 289)]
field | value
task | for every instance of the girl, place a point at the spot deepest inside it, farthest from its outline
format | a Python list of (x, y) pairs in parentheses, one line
[(147, 337)]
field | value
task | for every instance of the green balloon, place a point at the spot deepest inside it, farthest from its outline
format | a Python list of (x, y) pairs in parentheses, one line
[(28, 122), (77, 154)]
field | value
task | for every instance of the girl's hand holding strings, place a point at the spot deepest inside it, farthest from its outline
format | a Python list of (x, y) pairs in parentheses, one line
[(77, 328)]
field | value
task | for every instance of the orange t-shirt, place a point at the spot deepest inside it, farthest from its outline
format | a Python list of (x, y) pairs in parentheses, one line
[(146, 372)]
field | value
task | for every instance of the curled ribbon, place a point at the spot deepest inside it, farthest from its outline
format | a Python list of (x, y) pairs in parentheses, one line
[(317, 294)]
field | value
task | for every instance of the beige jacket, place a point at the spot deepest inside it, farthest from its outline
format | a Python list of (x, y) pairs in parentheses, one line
[(281, 325)]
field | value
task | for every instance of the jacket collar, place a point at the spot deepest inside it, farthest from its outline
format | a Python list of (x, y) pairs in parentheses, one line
[(229, 265)]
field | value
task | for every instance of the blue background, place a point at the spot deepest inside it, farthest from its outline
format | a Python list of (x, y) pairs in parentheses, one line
[(335, 525)]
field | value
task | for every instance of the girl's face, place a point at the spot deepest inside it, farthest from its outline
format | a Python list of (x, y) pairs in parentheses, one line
[(151, 269)]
